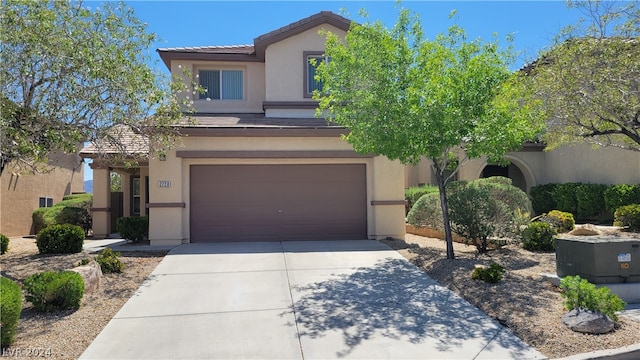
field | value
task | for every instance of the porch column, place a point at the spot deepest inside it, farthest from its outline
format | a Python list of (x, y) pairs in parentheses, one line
[(101, 210)]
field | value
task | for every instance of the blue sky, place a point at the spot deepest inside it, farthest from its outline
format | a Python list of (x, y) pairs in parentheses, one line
[(196, 23)]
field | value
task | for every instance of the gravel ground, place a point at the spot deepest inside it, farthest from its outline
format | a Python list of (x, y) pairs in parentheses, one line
[(66, 334), (525, 303)]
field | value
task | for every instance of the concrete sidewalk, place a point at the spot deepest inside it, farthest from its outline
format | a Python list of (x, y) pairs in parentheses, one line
[(299, 300)]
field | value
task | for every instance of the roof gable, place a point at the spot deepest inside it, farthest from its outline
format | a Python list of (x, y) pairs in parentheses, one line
[(324, 17), (255, 52)]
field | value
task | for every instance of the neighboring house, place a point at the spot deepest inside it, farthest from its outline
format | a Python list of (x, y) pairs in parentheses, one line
[(257, 165), (21, 193), (533, 166)]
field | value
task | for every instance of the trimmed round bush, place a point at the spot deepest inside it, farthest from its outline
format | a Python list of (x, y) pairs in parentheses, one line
[(628, 216), (51, 291), (561, 221), (427, 212), (60, 239), (412, 194), (539, 236), (4, 244), (10, 308)]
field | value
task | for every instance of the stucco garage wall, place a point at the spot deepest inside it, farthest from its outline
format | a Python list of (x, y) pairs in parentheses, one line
[(170, 224)]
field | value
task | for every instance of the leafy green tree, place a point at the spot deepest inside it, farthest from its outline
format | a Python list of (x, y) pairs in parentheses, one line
[(405, 97), (70, 73), (589, 80), (116, 182)]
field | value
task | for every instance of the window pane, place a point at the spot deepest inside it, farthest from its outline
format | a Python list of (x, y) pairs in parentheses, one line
[(312, 84), (136, 186), (49, 202), (210, 80), (136, 205), (232, 84), (43, 202)]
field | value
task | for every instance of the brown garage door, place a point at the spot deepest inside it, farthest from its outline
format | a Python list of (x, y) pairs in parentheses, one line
[(278, 202)]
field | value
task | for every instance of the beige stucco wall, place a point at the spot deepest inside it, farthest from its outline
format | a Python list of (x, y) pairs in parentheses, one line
[(170, 225), (20, 191), (580, 163), (254, 86), (285, 63)]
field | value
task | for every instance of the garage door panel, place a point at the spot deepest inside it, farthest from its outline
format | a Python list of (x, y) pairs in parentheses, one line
[(277, 202)]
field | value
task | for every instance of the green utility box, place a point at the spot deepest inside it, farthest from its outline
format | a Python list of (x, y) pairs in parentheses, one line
[(599, 259)]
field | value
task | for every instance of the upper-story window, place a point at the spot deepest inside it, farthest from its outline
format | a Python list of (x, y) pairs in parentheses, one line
[(222, 84), (312, 59)]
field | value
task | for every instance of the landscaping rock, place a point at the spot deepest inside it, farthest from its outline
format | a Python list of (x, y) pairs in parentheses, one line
[(589, 322), (585, 230), (91, 274)]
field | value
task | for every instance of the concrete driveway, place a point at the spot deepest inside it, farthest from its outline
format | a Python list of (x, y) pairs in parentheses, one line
[(299, 300)]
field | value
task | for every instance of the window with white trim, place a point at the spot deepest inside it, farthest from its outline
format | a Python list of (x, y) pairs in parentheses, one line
[(222, 84), (45, 202)]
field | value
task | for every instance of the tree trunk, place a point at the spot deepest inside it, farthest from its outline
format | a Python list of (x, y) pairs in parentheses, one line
[(444, 205)]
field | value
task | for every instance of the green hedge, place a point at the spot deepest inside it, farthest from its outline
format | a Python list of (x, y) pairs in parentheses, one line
[(60, 239), (628, 216), (133, 228), (621, 195), (50, 291), (73, 209), (585, 201), (10, 308)]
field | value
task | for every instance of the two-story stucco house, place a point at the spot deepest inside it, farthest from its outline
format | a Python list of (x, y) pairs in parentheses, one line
[(258, 165)]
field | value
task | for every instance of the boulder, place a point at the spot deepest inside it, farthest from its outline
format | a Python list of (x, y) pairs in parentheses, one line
[(91, 273), (586, 321)]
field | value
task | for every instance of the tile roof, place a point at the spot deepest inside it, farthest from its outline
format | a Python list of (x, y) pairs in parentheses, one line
[(258, 120), (256, 51), (219, 49)]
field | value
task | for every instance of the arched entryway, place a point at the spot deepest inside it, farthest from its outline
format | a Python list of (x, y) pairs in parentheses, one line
[(510, 171)]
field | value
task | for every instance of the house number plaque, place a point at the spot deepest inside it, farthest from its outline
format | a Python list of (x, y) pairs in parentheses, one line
[(164, 183)]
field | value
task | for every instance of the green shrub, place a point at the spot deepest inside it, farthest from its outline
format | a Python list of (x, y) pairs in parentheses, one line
[(412, 194), (73, 209), (621, 195), (109, 262), (565, 197), (10, 308), (538, 236), (60, 239), (491, 274), (628, 216), (50, 291), (133, 228), (427, 212), (561, 221), (83, 262), (590, 199), (581, 294), (4, 244), (541, 198), (480, 210), (38, 221), (471, 210)]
